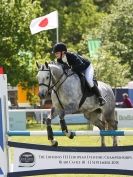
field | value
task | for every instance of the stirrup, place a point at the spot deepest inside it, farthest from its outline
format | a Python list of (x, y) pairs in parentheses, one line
[(102, 101)]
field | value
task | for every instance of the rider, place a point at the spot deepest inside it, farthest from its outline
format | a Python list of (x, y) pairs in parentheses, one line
[(78, 65)]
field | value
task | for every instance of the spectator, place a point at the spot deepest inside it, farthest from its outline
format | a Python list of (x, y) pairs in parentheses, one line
[(127, 103)]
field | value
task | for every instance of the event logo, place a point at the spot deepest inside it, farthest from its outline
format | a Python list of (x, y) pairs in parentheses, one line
[(26, 159)]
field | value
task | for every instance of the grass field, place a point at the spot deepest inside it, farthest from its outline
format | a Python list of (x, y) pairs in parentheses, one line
[(77, 141)]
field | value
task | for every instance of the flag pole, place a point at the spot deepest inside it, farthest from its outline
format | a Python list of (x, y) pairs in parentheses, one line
[(57, 29), (57, 35)]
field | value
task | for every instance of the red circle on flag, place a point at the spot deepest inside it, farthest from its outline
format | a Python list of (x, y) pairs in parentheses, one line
[(1, 70), (44, 22)]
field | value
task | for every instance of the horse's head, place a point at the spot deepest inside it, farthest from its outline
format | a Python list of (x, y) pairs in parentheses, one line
[(43, 77), (48, 75)]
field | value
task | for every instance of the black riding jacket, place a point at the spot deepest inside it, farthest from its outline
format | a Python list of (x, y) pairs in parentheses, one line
[(76, 62)]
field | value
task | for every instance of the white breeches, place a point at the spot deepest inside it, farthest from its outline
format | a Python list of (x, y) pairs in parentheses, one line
[(89, 73)]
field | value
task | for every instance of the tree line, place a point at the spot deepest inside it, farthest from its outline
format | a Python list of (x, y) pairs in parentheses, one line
[(79, 20)]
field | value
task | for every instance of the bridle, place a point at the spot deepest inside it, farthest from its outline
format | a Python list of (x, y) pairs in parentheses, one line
[(53, 86), (50, 79)]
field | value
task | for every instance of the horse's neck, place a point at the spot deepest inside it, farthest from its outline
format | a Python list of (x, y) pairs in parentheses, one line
[(68, 86), (56, 71)]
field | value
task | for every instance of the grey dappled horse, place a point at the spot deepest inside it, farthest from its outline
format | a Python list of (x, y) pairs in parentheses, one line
[(66, 95)]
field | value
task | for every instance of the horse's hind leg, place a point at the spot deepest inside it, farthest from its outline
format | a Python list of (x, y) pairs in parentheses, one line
[(113, 125), (101, 125), (64, 126), (115, 142), (103, 137), (95, 120)]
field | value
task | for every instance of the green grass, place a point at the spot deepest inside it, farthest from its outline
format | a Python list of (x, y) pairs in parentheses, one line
[(77, 141)]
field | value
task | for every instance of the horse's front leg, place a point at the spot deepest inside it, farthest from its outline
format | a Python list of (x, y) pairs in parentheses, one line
[(64, 126), (49, 128)]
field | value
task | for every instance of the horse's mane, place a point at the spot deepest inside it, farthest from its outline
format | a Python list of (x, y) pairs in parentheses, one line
[(67, 70)]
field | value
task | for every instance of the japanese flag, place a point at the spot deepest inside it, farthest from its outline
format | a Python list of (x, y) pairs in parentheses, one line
[(1, 70), (49, 21)]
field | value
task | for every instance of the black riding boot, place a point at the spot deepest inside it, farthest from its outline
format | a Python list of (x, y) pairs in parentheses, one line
[(98, 94)]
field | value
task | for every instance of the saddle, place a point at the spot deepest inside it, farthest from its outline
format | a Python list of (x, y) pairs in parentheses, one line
[(86, 89)]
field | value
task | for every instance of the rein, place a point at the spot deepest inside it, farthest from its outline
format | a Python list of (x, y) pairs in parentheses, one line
[(52, 87)]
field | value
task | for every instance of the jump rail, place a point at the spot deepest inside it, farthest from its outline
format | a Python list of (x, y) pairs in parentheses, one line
[(33, 159), (76, 133)]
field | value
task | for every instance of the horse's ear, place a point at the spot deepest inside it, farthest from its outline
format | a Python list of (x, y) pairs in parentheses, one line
[(38, 65), (46, 64)]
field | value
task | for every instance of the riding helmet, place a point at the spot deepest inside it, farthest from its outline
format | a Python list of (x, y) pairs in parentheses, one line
[(59, 47)]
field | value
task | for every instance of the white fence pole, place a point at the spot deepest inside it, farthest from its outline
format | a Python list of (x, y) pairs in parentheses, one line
[(4, 163)]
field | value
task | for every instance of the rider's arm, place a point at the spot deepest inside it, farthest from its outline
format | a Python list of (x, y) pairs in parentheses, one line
[(77, 63), (64, 64)]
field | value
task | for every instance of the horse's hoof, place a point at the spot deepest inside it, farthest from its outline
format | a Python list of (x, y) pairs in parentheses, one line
[(54, 143), (71, 136)]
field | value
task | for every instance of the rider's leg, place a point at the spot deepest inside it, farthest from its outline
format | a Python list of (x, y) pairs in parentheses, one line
[(89, 74), (98, 94)]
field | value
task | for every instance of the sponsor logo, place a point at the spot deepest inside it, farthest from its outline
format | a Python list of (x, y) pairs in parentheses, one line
[(26, 159)]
